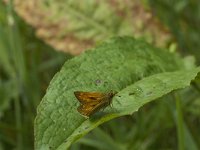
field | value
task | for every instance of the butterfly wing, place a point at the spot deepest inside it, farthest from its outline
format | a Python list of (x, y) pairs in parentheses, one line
[(91, 107), (87, 97), (90, 102)]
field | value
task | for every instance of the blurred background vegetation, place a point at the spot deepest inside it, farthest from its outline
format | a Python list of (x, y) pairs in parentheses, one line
[(38, 36)]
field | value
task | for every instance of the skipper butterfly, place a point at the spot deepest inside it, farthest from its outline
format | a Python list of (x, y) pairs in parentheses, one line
[(91, 102)]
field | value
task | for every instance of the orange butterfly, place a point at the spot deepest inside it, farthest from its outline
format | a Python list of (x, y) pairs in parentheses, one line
[(92, 102)]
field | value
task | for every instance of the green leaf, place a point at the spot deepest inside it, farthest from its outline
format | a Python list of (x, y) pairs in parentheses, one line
[(120, 64)]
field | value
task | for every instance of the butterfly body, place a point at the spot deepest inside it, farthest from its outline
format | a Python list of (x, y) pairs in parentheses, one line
[(91, 102)]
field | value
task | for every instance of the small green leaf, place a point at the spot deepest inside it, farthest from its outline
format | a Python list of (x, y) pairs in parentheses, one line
[(124, 65)]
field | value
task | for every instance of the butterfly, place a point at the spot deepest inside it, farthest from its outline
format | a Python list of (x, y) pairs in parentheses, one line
[(91, 102)]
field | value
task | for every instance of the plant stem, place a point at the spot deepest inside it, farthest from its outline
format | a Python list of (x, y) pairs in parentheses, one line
[(18, 123), (179, 122), (14, 49)]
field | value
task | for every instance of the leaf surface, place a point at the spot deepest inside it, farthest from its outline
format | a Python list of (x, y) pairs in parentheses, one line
[(139, 73)]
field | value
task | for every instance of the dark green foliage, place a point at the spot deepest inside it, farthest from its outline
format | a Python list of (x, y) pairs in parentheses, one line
[(26, 67), (183, 19), (139, 73)]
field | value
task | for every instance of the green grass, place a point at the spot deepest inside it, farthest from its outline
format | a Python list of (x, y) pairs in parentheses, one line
[(26, 67)]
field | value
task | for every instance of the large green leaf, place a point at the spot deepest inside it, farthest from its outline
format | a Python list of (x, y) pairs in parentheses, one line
[(122, 65)]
